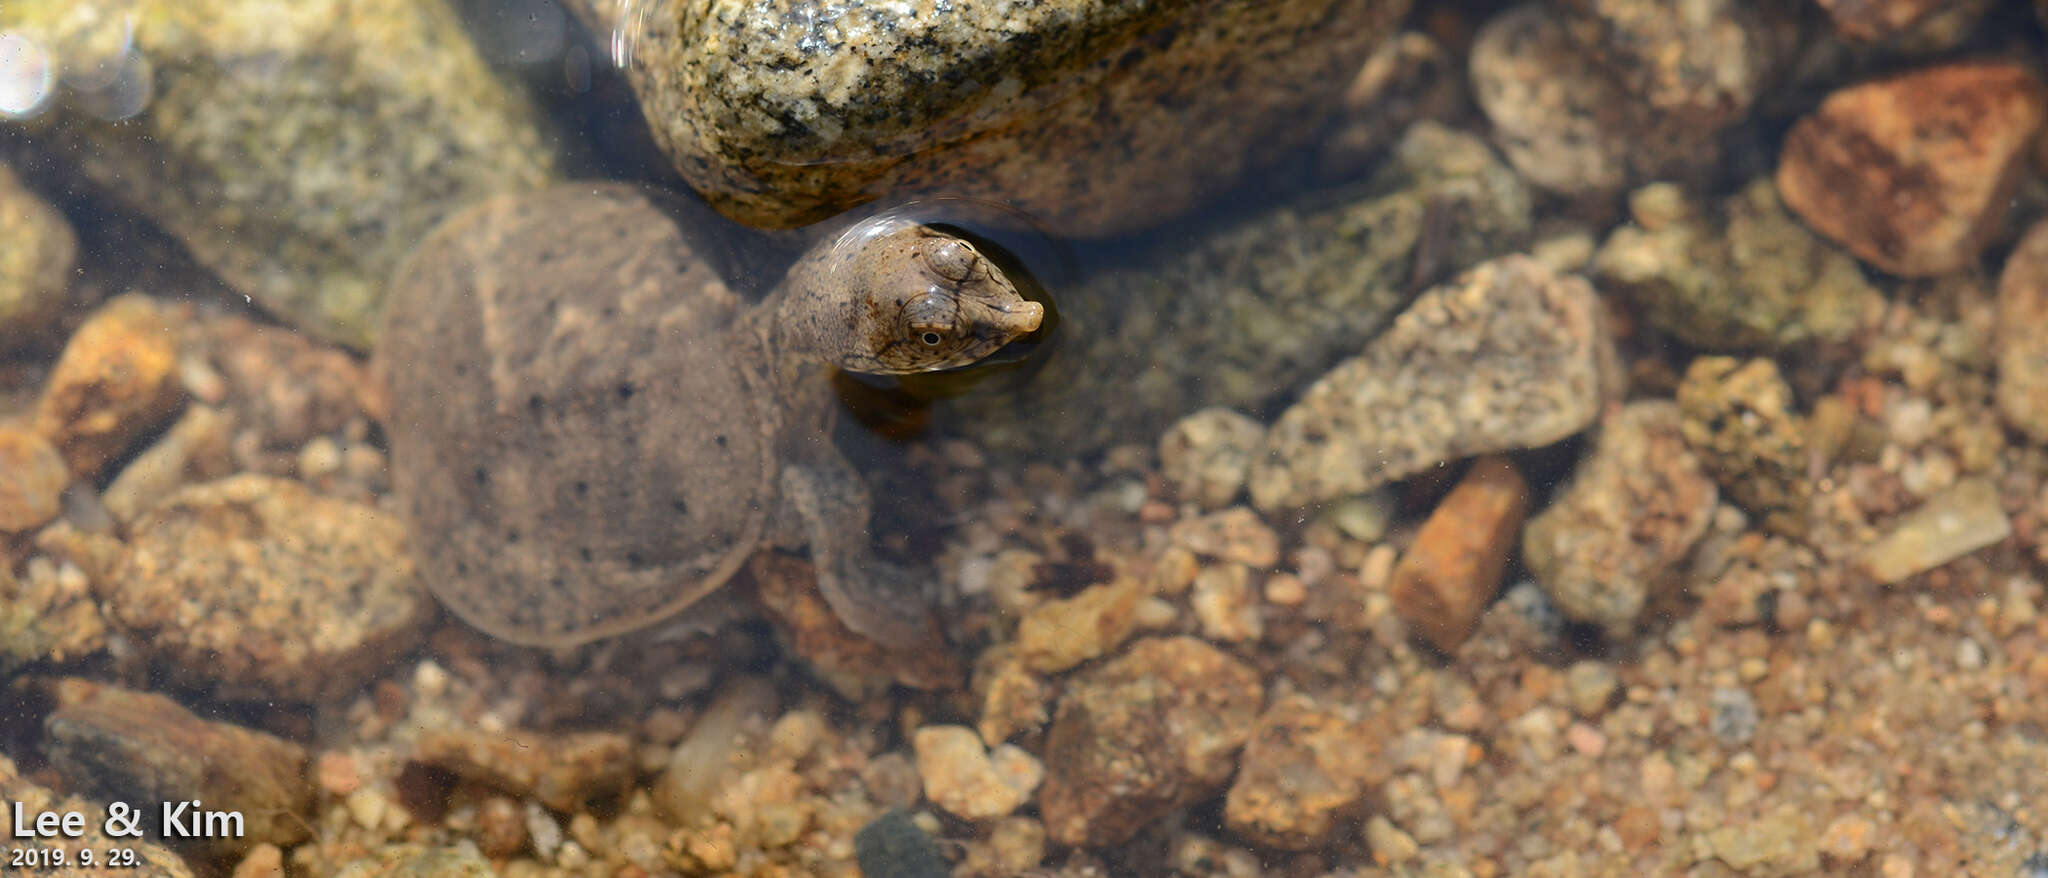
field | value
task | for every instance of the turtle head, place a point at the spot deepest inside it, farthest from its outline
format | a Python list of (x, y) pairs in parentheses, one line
[(926, 300)]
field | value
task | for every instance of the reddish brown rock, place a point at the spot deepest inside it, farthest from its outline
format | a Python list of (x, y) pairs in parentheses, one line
[(1444, 582), (115, 382), (1306, 767), (32, 477), (2022, 347), (1871, 20), (1150, 731), (1910, 172), (134, 747)]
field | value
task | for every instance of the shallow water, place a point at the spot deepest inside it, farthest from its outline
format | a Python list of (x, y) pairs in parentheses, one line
[(1616, 443)]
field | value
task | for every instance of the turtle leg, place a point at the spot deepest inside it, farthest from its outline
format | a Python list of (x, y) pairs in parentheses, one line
[(878, 600)]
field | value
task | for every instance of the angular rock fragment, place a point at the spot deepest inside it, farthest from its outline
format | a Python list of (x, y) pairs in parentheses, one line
[(1506, 356), (1633, 509), (2022, 345), (1911, 172), (1306, 767), (1453, 569), (1152, 730)]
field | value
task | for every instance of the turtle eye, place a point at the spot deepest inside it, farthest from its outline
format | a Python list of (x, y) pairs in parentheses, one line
[(930, 338)]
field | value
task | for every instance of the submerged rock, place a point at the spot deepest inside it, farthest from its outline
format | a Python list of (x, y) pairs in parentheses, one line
[(1452, 571), (298, 149), (1633, 509), (564, 772), (1744, 275), (1509, 355), (1949, 525), (1737, 416), (1912, 172), (1246, 315), (1098, 117), (1307, 766), (115, 382), (140, 747), (32, 476), (35, 263), (261, 587), (2022, 347), (1150, 731)]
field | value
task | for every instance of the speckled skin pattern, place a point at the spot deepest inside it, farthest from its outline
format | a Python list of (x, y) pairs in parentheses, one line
[(298, 149), (1097, 116), (590, 431)]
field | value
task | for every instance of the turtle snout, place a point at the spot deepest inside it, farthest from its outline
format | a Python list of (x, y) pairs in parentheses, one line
[(1022, 318)]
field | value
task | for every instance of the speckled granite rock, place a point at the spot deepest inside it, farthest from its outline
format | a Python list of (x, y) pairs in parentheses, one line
[(35, 264), (2022, 345), (1744, 275), (1737, 416), (32, 476), (261, 587), (1508, 355), (114, 383), (1205, 454), (135, 747), (298, 149), (152, 860), (1306, 767), (1154, 729), (1593, 94), (562, 771), (1096, 116), (969, 780), (1250, 313), (1912, 172), (1634, 507)]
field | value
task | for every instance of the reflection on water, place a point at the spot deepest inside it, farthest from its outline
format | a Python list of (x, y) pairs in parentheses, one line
[(1558, 438)]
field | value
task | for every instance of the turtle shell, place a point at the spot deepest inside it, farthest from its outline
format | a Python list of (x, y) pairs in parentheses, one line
[(577, 447)]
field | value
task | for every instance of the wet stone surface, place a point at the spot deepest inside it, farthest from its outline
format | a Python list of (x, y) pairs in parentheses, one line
[(1096, 117), (35, 267), (260, 587), (1912, 172), (1634, 507), (1506, 356)]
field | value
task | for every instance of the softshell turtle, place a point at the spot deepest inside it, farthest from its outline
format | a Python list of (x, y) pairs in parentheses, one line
[(590, 431)]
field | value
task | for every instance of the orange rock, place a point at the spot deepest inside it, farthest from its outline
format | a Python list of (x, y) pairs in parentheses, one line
[(116, 381), (1910, 172), (32, 477), (1444, 582), (2022, 350)]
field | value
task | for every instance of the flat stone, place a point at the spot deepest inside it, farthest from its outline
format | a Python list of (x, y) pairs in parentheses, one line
[(152, 860), (1306, 767), (1451, 572), (1507, 356), (1058, 634), (1739, 274), (565, 772), (1235, 534), (35, 266), (329, 136), (1911, 172), (1954, 523), (32, 478), (263, 588), (139, 747), (115, 382), (1154, 729), (1634, 507), (963, 778), (2022, 348), (1872, 20), (1097, 117), (1217, 319)]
